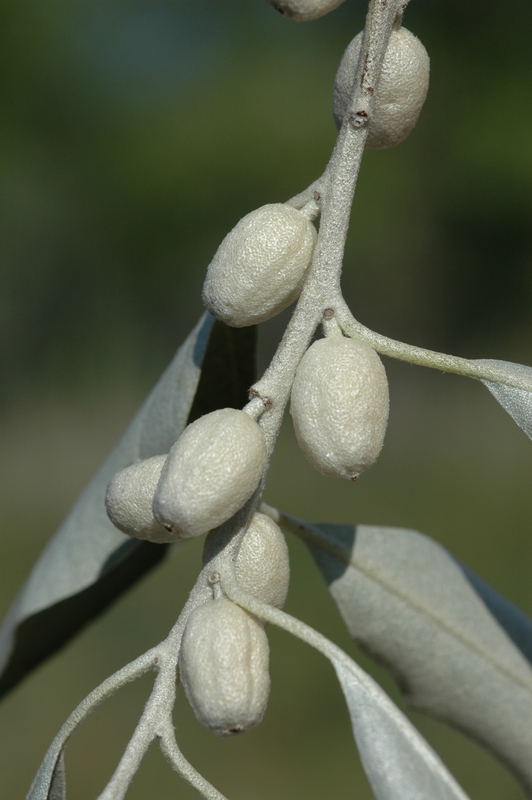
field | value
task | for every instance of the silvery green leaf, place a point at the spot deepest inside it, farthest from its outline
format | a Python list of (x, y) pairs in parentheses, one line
[(399, 764), (58, 784), (517, 402), (89, 563), (407, 601), (516, 624), (49, 783)]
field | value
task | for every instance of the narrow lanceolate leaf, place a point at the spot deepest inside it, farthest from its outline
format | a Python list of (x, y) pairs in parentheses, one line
[(58, 785), (89, 563), (399, 764), (516, 624), (517, 402), (50, 783), (409, 603)]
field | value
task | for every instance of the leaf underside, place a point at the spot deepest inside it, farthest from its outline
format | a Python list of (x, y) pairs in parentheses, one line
[(398, 762), (426, 618), (517, 402), (88, 563), (58, 785)]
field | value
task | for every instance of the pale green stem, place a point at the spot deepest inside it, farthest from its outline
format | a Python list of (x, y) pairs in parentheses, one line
[(336, 189), (281, 619), (426, 358), (312, 192), (157, 715), (339, 658), (184, 768), (105, 690)]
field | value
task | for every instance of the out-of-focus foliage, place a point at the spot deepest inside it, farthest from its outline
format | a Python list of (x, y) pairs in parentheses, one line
[(134, 135)]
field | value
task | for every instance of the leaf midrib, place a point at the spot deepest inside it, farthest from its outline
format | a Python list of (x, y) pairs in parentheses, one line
[(310, 534)]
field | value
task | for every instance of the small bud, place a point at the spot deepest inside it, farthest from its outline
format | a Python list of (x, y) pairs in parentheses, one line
[(223, 666), (213, 468), (260, 266), (399, 95), (304, 10), (129, 501), (340, 406)]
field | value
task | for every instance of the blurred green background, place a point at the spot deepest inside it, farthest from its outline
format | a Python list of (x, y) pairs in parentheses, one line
[(133, 136)]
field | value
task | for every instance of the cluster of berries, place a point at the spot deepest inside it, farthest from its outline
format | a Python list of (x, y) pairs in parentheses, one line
[(339, 406)]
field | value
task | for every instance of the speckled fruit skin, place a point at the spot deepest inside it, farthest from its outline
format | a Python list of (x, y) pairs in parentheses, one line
[(340, 405), (262, 567), (223, 666), (260, 266), (213, 468), (400, 93), (129, 501), (304, 10)]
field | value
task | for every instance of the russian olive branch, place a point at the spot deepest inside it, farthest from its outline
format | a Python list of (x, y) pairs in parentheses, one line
[(332, 194), (218, 583), (321, 292), (427, 358), (156, 720), (135, 669), (334, 191)]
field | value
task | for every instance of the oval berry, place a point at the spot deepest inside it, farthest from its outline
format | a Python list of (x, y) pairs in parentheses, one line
[(213, 468), (399, 95), (260, 266), (340, 406), (262, 566), (129, 501), (223, 666), (304, 10)]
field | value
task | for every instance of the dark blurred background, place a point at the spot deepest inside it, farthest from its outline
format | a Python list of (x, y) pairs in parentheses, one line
[(133, 136)]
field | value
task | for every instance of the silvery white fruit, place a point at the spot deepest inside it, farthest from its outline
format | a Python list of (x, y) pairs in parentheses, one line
[(304, 10), (340, 406), (129, 501), (223, 666), (213, 468), (260, 266), (262, 567), (400, 93)]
